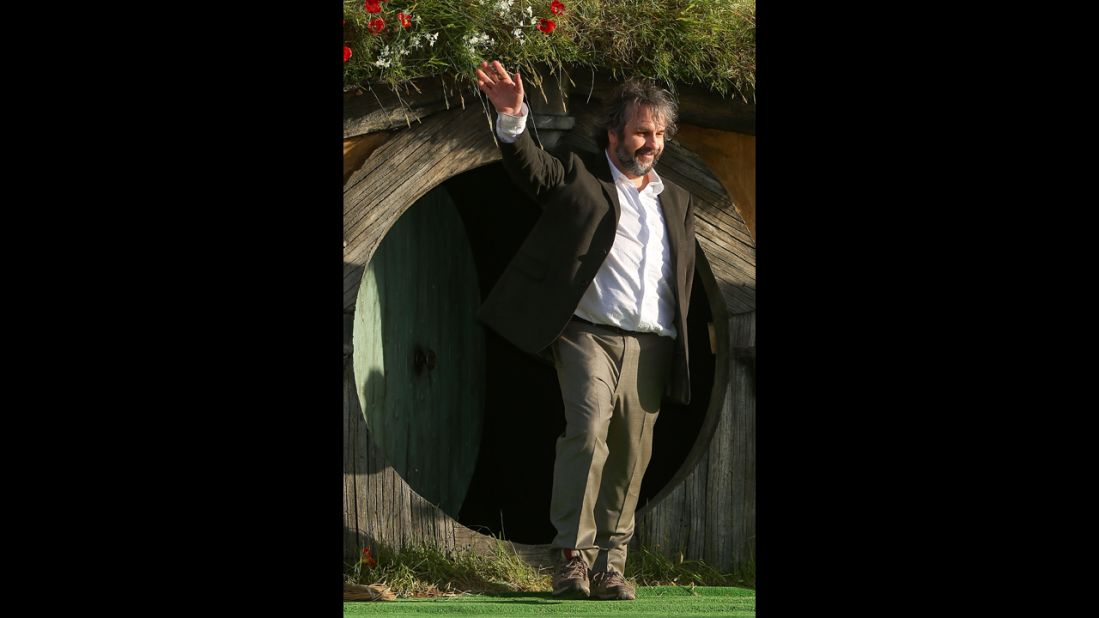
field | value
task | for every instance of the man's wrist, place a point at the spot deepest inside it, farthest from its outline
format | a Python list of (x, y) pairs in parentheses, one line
[(510, 126)]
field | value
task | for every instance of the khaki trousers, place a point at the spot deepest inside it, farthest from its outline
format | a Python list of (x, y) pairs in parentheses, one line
[(611, 383)]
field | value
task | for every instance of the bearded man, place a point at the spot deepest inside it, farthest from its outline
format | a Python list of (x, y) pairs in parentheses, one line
[(602, 284)]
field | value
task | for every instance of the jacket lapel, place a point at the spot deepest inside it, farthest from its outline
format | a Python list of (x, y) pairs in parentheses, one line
[(601, 169), (674, 206)]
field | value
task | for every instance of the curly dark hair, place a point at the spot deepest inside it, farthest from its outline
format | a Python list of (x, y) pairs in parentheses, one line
[(640, 92)]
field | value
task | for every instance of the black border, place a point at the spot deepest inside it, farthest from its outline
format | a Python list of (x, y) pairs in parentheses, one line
[(236, 499), (235, 489), (862, 242)]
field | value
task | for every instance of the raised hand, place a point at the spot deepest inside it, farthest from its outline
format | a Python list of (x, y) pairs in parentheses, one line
[(505, 91)]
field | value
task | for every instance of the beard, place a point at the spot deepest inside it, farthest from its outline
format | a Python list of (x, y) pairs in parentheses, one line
[(630, 160)]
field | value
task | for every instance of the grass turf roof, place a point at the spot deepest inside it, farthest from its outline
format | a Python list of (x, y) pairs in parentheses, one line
[(706, 42)]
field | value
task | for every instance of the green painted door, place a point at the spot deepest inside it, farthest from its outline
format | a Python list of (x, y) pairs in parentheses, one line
[(419, 353)]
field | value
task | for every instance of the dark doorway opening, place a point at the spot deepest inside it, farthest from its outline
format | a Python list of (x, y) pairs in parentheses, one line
[(509, 493)]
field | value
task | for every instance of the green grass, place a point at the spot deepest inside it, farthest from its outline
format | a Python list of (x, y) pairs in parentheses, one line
[(663, 601)]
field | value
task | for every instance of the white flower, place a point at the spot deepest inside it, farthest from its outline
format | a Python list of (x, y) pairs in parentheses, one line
[(432, 38), (384, 57), (481, 40)]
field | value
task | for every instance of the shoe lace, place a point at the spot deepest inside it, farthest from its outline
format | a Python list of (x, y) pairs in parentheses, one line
[(575, 568), (610, 578)]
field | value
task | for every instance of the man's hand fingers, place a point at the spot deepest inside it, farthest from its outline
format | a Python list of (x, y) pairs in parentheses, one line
[(503, 75), (502, 88), (483, 76), (484, 79)]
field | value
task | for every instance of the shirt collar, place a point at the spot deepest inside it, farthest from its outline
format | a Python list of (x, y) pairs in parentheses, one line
[(655, 184)]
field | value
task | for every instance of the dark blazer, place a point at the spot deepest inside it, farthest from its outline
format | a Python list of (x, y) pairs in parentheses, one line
[(540, 289)]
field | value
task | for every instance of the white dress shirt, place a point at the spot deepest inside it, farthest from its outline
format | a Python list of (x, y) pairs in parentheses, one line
[(631, 290)]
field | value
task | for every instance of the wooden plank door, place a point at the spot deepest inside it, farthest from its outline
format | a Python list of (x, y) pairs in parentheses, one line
[(419, 352)]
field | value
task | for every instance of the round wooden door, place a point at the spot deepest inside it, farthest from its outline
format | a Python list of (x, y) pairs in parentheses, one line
[(419, 352)]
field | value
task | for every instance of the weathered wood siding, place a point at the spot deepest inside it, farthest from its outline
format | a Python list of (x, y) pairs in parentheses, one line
[(401, 171), (731, 157), (357, 149)]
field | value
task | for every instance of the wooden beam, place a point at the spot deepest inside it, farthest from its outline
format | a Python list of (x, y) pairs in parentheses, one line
[(357, 150), (380, 108)]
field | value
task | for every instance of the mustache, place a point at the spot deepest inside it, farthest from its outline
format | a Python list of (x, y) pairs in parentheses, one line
[(644, 151)]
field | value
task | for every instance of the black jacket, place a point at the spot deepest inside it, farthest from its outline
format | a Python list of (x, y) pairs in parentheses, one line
[(541, 287)]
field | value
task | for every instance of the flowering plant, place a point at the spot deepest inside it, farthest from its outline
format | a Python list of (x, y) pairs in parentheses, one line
[(368, 558), (392, 42)]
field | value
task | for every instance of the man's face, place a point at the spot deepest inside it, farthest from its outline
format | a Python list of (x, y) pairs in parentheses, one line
[(640, 144)]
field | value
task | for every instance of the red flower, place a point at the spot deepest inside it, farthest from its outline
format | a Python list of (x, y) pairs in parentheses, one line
[(368, 559), (377, 24), (546, 25), (406, 20), (372, 6), (346, 53), (557, 8)]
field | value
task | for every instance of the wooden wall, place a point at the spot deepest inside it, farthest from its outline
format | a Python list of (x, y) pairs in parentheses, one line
[(357, 149), (708, 511), (731, 156)]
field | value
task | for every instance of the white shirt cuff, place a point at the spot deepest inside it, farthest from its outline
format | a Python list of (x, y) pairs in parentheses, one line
[(509, 128)]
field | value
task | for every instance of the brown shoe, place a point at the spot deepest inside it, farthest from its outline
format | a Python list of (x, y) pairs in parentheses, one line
[(571, 580), (611, 586)]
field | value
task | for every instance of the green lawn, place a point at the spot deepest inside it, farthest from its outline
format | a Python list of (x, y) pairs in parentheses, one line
[(651, 601)]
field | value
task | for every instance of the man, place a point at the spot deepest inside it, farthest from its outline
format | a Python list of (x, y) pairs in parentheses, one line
[(602, 283)]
